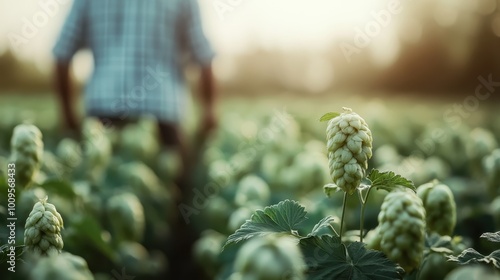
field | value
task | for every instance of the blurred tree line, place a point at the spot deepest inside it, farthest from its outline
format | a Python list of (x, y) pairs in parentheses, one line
[(433, 46)]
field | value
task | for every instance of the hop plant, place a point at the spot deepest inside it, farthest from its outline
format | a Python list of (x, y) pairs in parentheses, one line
[(402, 228), (207, 249), (252, 190), (42, 234), (27, 153), (69, 152), (97, 148), (349, 148), (126, 214), (491, 166), (440, 207), (59, 267), (140, 140), (269, 258), (481, 143)]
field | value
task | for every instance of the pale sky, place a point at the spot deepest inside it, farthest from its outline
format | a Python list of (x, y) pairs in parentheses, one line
[(271, 23), (283, 24)]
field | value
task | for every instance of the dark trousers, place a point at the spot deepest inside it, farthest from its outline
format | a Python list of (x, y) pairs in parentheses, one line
[(182, 266)]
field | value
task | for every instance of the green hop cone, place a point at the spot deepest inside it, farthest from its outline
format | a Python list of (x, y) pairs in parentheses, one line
[(269, 258), (97, 148), (349, 148), (491, 167), (206, 251), (440, 207), (402, 228), (127, 218), (27, 152), (252, 191), (60, 267), (42, 233), (69, 152)]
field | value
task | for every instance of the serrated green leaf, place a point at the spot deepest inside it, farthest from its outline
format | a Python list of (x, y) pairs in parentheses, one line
[(279, 218), (324, 227), (327, 258), (491, 236), (471, 256), (439, 244), (389, 181), (5, 249), (328, 116), (434, 240)]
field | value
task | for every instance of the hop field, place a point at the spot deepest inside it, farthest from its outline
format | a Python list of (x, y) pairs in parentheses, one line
[(389, 189)]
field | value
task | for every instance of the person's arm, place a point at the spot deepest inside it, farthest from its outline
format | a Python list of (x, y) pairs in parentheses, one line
[(71, 39), (202, 53), (207, 98), (65, 94)]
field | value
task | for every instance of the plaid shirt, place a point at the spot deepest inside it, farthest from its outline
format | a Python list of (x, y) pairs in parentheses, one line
[(139, 48)]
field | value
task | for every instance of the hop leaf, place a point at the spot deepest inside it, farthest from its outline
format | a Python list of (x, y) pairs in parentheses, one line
[(471, 256), (280, 218), (327, 258), (42, 234), (389, 181), (492, 236), (349, 144)]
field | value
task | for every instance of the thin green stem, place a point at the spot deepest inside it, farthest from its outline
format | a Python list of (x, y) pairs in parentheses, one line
[(362, 218), (343, 213), (362, 222)]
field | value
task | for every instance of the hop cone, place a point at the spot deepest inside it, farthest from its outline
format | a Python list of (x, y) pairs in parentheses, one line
[(61, 267), (97, 148), (269, 258), (440, 207), (126, 214), (42, 234), (402, 228), (349, 148), (252, 190), (69, 152), (27, 152), (491, 166)]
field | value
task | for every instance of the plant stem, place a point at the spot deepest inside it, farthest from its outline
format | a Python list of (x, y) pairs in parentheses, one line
[(362, 222), (362, 218), (343, 213)]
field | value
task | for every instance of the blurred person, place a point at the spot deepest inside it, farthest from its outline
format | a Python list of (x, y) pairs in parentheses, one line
[(139, 49)]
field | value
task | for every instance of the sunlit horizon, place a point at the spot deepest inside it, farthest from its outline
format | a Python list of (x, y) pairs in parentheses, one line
[(238, 28), (286, 26)]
